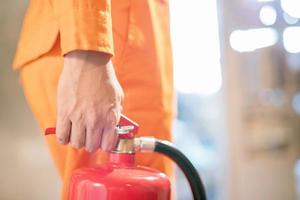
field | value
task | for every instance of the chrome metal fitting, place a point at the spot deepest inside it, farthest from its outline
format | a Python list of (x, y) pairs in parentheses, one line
[(138, 144), (124, 129), (144, 144)]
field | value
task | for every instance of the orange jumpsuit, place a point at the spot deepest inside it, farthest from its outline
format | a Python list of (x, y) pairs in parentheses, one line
[(135, 32)]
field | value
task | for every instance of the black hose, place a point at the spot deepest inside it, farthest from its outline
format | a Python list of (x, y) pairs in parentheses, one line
[(185, 165)]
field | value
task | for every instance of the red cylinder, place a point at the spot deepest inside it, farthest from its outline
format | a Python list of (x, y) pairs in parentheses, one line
[(119, 179)]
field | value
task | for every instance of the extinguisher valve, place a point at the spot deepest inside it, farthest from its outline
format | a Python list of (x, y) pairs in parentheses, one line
[(124, 146), (127, 143)]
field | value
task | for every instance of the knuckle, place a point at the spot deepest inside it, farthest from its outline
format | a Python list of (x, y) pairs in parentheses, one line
[(93, 131), (76, 116), (77, 138), (60, 133), (62, 114), (110, 124), (93, 119), (94, 124)]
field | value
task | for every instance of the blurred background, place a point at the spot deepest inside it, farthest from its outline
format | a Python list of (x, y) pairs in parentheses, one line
[(237, 77), (21, 144)]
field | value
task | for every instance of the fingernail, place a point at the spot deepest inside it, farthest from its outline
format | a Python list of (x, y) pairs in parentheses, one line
[(89, 149), (61, 140), (76, 146)]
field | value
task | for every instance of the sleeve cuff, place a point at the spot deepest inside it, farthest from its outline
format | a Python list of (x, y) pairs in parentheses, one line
[(86, 29)]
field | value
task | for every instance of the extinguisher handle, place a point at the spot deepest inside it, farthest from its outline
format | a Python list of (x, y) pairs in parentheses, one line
[(50, 131), (126, 128)]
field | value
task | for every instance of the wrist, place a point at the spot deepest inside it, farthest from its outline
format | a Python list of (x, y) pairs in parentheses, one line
[(95, 57)]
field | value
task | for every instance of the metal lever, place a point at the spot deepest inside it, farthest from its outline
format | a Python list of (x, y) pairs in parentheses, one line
[(124, 129)]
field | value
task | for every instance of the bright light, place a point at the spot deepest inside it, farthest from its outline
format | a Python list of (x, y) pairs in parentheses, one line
[(288, 19), (252, 39), (292, 7), (291, 39), (267, 15), (196, 50)]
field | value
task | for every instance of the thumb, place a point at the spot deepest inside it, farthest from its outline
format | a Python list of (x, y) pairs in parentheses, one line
[(114, 116)]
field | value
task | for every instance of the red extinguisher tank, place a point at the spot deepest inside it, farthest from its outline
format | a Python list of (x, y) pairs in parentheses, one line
[(119, 179)]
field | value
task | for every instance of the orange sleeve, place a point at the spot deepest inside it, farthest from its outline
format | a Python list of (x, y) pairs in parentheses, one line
[(84, 25)]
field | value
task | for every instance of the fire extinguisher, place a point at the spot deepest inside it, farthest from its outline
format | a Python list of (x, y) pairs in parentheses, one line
[(121, 179)]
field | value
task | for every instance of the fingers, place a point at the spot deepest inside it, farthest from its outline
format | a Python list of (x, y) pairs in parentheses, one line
[(113, 117), (78, 135), (109, 137), (93, 139), (91, 131), (92, 134), (63, 129)]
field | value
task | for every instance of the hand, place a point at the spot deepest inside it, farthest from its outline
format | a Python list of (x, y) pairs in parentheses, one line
[(88, 101)]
